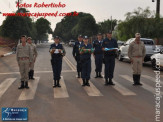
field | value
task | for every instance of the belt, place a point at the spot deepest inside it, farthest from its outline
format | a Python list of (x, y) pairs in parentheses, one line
[(23, 58)]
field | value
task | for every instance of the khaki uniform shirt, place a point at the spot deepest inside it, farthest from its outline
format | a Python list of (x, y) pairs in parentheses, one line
[(24, 51), (136, 50)]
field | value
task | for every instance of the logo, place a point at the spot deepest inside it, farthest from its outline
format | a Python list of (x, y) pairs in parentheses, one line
[(14, 114)]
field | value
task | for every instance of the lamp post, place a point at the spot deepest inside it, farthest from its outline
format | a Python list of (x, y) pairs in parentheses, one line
[(157, 8)]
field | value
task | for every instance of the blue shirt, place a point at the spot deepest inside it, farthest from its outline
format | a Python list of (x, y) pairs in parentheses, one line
[(109, 44), (75, 51), (97, 45)]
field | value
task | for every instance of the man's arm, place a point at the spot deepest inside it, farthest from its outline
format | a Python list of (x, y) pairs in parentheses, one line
[(130, 52), (17, 53)]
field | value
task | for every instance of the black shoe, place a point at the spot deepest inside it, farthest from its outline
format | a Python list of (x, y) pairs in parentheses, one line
[(32, 74), (135, 80), (84, 82), (100, 76), (138, 80), (58, 83), (55, 84), (22, 85), (87, 83), (106, 82), (26, 85), (29, 74), (111, 82)]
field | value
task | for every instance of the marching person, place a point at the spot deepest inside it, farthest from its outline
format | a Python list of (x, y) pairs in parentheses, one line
[(57, 52), (85, 57), (109, 57), (34, 52), (136, 53), (98, 55), (76, 54), (24, 58)]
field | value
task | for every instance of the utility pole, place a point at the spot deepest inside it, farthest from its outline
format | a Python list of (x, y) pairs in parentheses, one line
[(111, 23), (157, 8)]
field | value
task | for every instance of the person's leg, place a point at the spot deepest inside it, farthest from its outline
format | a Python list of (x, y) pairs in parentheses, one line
[(26, 69), (88, 72), (140, 63), (84, 73), (100, 65), (106, 70), (21, 70), (135, 71), (96, 64), (111, 69), (59, 71)]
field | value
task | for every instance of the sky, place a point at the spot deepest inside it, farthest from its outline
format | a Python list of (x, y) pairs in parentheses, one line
[(100, 9)]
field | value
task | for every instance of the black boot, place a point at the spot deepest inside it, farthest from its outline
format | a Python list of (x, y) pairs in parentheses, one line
[(29, 74), (26, 85), (135, 80), (22, 85), (106, 82), (138, 80), (111, 82), (58, 83), (87, 82), (100, 76), (96, 75), (84, 82), (32, 74), (78, 74), (55, 84)]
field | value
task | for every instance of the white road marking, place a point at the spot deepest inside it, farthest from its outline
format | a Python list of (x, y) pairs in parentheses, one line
[(92, 90), (28, 94), (144, 86), (5, 85), (122, 90), (72, 66), (62, 91), (151, 78)]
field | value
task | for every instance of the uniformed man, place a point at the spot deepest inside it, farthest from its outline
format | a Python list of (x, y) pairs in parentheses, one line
[(34, 52), (136, 53), (98, 55), (85, 57), (57, 52), (76, 54), (109, 57), (24, 58)]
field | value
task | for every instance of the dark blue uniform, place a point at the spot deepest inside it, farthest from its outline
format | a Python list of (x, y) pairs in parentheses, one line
[(76, 54), (97, 45), (56, 61), (86, 62), (109, 58)]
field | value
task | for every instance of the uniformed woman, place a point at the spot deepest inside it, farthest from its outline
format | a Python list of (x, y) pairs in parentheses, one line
[(57, 52), (85, 50)]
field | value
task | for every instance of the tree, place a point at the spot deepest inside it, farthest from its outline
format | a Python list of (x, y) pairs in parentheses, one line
[(71, 26), (43, 29)]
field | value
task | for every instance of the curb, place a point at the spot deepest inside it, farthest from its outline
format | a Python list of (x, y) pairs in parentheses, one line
[(7, 54)]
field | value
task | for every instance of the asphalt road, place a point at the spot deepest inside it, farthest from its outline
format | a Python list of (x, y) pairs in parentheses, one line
[(73, 103)]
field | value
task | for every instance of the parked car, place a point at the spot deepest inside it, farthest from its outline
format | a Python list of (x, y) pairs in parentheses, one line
[(71, 43), (149, 45), (157, 60)]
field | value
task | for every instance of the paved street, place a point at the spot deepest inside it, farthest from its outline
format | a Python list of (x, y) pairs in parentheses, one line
[(74, 103)]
